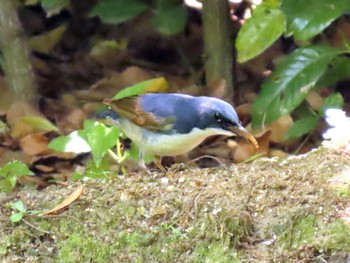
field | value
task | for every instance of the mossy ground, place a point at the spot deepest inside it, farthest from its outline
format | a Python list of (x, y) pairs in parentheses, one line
[(267, 211)]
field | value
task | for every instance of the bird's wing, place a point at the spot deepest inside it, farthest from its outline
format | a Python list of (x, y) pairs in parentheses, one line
[(130, 108)]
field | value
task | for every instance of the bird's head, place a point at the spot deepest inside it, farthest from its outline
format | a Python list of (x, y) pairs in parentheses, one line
[(220, 115)]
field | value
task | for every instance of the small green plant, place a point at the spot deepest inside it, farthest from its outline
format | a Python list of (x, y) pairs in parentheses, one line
[(95, 137), (309, 67), (9, 174), (18, 211), (99, 139), (307, 119)]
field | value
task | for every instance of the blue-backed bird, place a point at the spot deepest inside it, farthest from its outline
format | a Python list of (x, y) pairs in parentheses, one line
[(170, 124)]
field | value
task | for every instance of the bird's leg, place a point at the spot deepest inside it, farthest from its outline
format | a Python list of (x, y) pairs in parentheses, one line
[(158, 162), (141, 162)]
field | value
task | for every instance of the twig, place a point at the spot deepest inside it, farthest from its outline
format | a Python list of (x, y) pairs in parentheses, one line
[(29, 224)]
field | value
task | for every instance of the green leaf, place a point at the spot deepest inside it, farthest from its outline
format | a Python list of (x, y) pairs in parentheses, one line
[(19, 206), (39, 124), (291, 82), (118, 11), (74, 142), (260, 31), (301, 127), (54, 4), (53, 7), (170, 21), (9, 173), (7, 184), (101, 174), (51, 4), (16, 217), (305, 19), (94, 172), (76, 176), (88, 124), (101, 138), (15, 168), (334, 101), (303, 111), (338, 70), (152, 85)]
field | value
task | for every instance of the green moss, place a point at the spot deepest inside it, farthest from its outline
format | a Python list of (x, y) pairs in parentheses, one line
[(343, 191), (214, 252), (311, 231), (298, 233), (267, 211), (82, 248), (334, 236), (5, 243)]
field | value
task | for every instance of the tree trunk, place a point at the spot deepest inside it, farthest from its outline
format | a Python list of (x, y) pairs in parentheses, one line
[(218, 42), (15, 59)]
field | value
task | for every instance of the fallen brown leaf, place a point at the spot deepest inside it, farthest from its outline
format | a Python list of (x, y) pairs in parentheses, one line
[(44, 168), (24, 180), (244, 110), (278, 129), (250, 96), (66, 202), (31, 124), (133, 75), (20, 109), (278, 153), (72, 121), (315, 100), (103, 88), (34, 144), (58, 155), (244, 149), (7, 155)]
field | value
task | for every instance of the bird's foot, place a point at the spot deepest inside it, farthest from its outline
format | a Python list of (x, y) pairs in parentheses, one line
[(158, 162), (144, 167)]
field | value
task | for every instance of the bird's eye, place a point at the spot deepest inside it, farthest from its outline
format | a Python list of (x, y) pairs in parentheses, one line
[(218, 117)]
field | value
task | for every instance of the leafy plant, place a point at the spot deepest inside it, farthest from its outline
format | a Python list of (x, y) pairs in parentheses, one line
[(291, 82), (169, 16), (9, 174), (260, 31), (307, 68), (94, 137), (307, 119), (18, 211), (97, 138)]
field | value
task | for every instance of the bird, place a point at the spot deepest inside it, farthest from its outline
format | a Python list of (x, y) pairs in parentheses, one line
[(171, 124)]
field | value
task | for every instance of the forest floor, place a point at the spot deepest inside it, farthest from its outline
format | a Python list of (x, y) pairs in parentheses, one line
[(270, 210)]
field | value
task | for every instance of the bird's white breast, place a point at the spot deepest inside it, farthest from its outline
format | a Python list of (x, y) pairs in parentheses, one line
[(163, 144)]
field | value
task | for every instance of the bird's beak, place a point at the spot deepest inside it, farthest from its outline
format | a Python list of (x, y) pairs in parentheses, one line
[(241, 131)]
